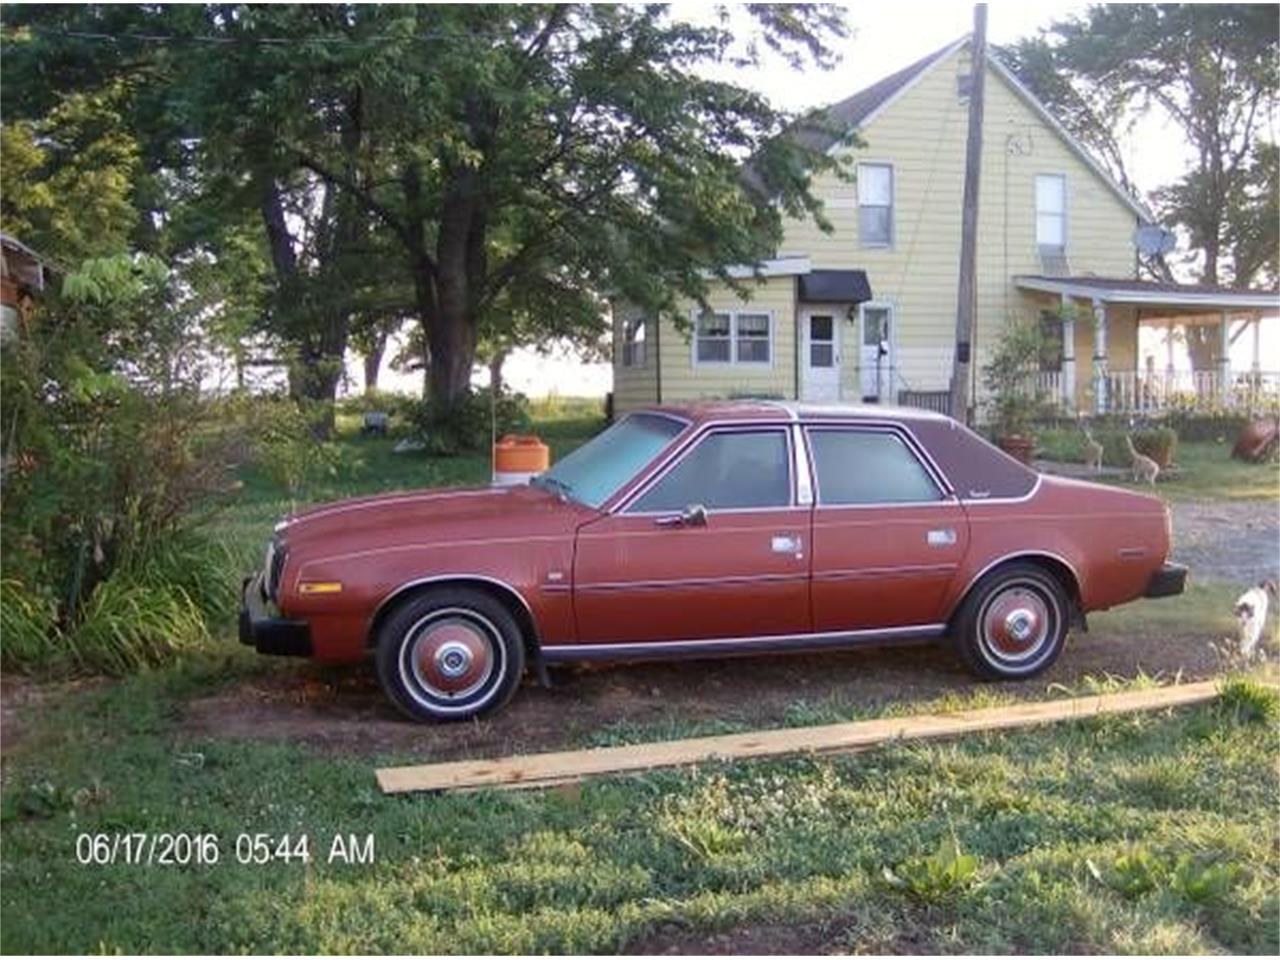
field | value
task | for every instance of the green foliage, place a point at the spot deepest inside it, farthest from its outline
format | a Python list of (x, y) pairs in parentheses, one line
[(131, 623), (1067, 444), (67, 179), (1133, 873), (27, 626), (116, 461), (287, 448), (940, 876), (472, 422), (1247, 701), (1201, 883), (1016, 399)]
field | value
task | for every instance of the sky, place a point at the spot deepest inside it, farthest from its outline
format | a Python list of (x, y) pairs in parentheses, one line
[(887, 37)]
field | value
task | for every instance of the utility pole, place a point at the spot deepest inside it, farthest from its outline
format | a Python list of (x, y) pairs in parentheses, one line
[(966, 297)]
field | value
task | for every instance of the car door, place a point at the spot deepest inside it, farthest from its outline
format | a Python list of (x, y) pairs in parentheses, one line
[(887, 536), (655, 571)]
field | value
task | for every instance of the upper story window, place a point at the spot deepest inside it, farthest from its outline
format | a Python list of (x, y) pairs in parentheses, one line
[(634, 342), (1051, 211), (875, 204), (745, 338), (867, 467), (728, 470)]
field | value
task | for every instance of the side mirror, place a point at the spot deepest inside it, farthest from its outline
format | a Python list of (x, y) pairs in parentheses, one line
[(694, 515)]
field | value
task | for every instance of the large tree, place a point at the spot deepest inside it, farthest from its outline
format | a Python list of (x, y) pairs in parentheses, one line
[(513, 155), (1211, 69)]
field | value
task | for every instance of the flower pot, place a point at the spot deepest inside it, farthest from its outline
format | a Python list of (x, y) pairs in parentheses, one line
[(1019, 447)]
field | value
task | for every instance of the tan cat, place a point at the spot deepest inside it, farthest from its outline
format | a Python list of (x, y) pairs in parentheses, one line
[(1144, 468), (1092, 451)]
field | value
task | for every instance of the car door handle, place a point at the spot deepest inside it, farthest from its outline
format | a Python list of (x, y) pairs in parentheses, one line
[(942, 538), (788, 544)]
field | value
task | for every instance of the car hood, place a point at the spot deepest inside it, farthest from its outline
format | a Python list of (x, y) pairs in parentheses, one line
[(442, 515)]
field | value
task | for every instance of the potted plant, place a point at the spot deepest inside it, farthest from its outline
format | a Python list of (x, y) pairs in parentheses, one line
[(1015, 397)]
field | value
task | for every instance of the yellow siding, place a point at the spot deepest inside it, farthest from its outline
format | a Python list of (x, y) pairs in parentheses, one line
[(684, 380), (922, 134), (637, 385)]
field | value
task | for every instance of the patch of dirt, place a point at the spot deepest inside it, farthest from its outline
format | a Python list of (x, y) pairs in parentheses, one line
[(21, 699), (834, 936), (342, 710), (1231, 541)]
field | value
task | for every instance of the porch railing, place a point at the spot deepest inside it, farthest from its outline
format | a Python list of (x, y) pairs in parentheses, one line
[(1249, 391)]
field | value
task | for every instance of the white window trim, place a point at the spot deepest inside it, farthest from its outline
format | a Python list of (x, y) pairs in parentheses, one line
[(629, 344), (863, 243), (1035, 207), (733, 360)]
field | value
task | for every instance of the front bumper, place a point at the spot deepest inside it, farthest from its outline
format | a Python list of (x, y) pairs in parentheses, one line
[(267, 633), (1169, 581)]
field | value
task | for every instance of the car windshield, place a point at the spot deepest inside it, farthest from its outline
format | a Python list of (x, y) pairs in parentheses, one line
[(598, 469)]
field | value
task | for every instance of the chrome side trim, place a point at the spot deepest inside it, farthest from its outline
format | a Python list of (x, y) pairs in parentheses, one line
[(1014, 555), (454, 577), (878, 573), (689, 582), (661, 649)]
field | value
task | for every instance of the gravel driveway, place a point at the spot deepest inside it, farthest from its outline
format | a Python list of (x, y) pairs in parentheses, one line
[(1228, 541)]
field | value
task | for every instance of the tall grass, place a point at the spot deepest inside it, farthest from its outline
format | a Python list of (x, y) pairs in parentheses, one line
[(151, 609)]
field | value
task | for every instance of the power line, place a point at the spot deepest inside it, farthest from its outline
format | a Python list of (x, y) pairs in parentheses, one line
[(15, 33)]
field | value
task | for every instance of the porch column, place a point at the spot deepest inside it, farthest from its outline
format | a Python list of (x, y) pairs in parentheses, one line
[(1224, 356), (1100, 397), (1168, 347), (1257, 345), (1068, 355)]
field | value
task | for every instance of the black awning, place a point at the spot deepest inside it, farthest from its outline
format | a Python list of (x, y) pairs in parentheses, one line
[(835, 286)]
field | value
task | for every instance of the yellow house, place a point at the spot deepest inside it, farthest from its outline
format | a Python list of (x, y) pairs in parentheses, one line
[(867, 313)]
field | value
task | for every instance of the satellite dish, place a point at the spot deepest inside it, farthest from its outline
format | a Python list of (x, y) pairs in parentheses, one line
[(1152, 239)]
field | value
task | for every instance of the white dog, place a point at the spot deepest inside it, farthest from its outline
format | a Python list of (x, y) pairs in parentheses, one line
[(1251, 615)]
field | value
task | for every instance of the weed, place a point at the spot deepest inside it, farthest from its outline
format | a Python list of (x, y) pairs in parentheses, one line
[(1247, 701), (942, 875)]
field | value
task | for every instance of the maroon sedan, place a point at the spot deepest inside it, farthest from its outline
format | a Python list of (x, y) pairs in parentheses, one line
[(710, 530)]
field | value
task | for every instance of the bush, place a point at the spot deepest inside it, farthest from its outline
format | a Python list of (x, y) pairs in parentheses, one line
[(472, 423), (117, 461)]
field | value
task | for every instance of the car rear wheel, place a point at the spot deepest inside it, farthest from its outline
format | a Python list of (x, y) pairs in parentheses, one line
[(1013, 624), (450, 654)]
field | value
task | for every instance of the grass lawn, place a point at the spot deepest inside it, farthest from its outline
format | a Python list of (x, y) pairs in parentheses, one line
[(1151, 833), (1205, 471), (1148, 833)]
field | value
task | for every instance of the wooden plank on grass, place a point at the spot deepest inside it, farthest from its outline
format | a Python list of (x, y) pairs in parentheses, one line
[(554, 769)]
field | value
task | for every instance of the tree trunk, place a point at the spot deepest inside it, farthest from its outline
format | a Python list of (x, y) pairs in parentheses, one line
[(373, 363), (495, 370)]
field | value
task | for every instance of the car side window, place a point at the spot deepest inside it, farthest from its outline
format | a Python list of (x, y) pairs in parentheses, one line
[(726, 471), (868, 467)]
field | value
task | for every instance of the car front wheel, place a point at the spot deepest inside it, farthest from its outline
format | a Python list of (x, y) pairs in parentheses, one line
[(450, 654), (1013, 624)]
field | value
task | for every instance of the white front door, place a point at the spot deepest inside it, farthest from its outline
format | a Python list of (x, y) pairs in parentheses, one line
[(821, 357), (876, 357)]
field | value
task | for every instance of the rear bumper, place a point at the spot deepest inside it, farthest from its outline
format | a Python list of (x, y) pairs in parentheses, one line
[(265, 632), (1169, 581)]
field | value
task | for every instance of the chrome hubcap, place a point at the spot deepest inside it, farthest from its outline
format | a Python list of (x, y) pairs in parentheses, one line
[(451, 656), (1017, 624), (453, 660)]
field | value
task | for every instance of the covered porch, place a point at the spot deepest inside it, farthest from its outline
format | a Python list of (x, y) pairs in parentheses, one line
[(1123, 343)]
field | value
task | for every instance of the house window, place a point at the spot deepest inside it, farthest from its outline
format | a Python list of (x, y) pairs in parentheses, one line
[(633, 342), (875, 204), (745, 338), (751, 338), (1051, 211), (715, 342)]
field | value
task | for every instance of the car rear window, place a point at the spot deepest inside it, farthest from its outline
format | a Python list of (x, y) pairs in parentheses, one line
[(865, 466)]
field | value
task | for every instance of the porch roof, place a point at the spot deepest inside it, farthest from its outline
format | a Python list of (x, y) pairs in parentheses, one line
[(1153, 293)]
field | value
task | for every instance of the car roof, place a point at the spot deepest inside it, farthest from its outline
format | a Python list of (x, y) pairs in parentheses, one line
[(752, 409)]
